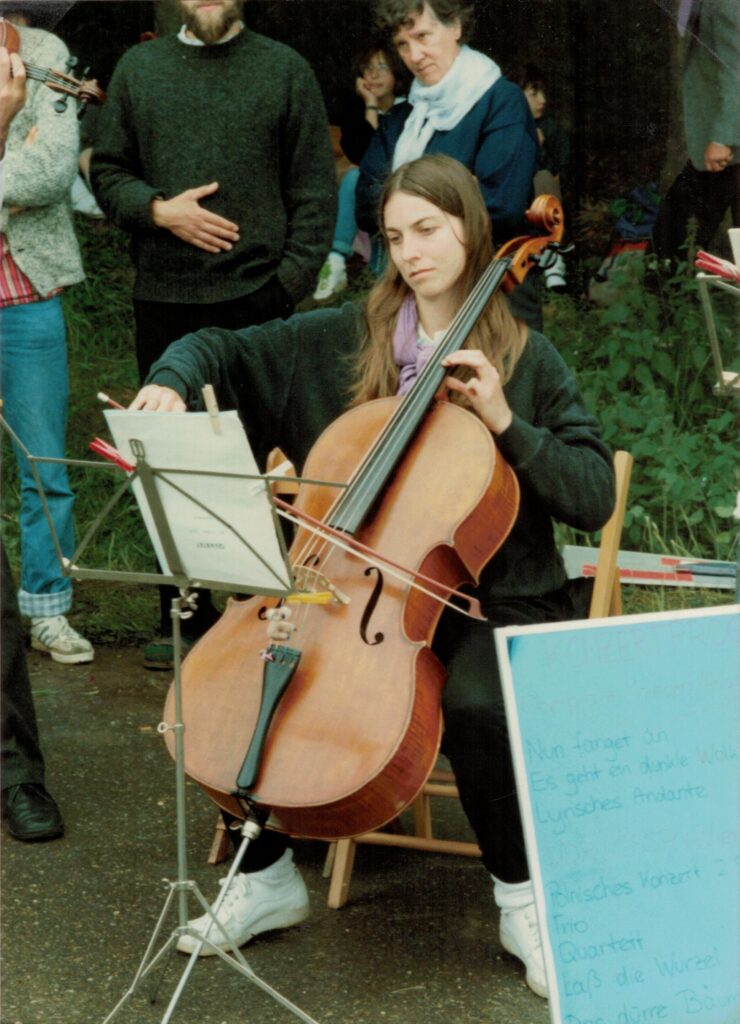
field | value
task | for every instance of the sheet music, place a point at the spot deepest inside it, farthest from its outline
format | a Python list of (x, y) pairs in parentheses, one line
[(224, 527)]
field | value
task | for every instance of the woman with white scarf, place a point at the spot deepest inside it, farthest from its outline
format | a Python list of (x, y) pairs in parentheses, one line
[(459, 104)]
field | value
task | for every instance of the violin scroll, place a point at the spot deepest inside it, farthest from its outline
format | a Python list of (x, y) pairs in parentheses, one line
[(82, 90)]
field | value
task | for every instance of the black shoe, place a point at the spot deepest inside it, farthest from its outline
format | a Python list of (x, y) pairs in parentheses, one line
[(32, 813), (159, 654)]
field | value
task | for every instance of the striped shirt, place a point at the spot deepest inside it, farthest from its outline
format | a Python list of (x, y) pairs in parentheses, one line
[(15, 288)]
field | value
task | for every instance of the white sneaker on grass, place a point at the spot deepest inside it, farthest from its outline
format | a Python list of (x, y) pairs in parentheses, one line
[(555, 274), (53, 635), (332, 277), (83, 201), (519, 933), (262, 901)]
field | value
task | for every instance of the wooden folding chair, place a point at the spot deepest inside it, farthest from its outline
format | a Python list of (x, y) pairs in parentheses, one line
[(605, 601)]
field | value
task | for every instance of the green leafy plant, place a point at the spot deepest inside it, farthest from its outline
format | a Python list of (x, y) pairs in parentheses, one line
[(643, 366)]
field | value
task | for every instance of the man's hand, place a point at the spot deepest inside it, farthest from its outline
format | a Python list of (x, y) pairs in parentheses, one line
[(153, 398), (717, 156), (185, 218), (12, 91)]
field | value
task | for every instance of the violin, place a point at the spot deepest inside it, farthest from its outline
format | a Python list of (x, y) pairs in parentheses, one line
[(335, 731), (82, 90)]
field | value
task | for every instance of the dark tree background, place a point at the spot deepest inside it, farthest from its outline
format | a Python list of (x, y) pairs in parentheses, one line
[(608, 64)]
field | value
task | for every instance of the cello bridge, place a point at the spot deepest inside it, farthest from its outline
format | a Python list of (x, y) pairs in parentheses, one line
[(313, 587)]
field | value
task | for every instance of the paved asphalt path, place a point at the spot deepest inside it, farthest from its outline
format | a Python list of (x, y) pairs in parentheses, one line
[(418, 940)]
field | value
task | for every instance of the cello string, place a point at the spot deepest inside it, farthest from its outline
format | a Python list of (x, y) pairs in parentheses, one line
[(388, 447), (410, 409), (380, 459), (397, 432), (386, 450), (404, 576)]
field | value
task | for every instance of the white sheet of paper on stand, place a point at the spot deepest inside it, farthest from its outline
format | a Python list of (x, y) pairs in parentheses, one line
[(224, 527)]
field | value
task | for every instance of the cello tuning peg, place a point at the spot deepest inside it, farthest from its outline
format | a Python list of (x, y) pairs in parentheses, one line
[(60, 105), (71, 63)]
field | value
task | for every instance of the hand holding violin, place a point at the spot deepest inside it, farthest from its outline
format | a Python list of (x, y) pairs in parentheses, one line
[(153, 398), (188, 220), (12, 91), (484, 390)]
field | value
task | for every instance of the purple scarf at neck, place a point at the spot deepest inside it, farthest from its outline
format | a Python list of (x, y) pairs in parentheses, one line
[(409, 355)]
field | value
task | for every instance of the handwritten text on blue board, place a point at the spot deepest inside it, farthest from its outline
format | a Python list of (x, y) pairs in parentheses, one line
[(625, 739)]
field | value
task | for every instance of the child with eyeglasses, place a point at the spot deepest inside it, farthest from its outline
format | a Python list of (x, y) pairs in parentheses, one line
[(380, 82)]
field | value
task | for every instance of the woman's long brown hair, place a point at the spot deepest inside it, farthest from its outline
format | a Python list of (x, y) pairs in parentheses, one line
[(443, 181)]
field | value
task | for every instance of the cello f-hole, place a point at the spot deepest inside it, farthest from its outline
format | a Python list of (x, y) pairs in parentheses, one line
[(370, 607)]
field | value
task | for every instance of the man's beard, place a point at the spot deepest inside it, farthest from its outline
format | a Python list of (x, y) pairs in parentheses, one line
[(209, 28)]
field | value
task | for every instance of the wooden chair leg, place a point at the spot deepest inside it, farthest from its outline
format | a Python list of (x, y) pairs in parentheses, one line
[(220, 843), (422, 811), (341, 876), (331, 852), (605, 599)]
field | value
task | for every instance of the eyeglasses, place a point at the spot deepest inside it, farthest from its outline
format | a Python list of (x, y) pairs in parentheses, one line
[(375, 69)]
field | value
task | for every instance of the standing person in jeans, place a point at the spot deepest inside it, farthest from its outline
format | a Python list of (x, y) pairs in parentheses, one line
[(39, 257), (213, 151), (31, 812)]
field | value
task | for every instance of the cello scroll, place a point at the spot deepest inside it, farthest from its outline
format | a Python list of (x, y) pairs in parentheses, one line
[(546, 215)]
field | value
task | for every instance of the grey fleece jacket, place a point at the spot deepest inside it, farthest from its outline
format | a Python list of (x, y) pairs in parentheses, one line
[(39, 167)]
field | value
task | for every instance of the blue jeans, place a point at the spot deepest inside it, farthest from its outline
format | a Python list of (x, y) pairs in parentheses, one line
[(35, 391), (345, 228)]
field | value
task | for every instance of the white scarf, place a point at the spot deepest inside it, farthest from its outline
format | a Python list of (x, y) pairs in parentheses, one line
[(438, 108)]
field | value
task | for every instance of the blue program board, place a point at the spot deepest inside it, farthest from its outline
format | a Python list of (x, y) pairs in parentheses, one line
[(625, 741)]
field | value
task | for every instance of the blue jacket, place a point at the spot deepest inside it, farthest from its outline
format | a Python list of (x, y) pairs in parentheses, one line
[(496, 140)]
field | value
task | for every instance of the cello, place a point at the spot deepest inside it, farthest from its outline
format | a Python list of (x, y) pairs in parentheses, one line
[(352, 730)]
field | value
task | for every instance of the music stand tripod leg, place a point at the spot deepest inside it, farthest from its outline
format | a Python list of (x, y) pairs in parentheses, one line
[(184, 887)]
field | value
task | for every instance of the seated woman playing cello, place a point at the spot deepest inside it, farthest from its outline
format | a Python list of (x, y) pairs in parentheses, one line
[(288, 379)]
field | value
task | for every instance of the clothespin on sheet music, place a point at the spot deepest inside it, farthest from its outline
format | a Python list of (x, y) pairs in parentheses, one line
[(209, 397)]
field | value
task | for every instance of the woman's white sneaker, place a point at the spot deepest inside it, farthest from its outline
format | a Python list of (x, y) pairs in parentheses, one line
[(53, 635), (519, 933), (262, 901), (332, 277)]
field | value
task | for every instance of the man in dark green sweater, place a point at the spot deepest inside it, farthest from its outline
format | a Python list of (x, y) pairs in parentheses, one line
[(213, 151)]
